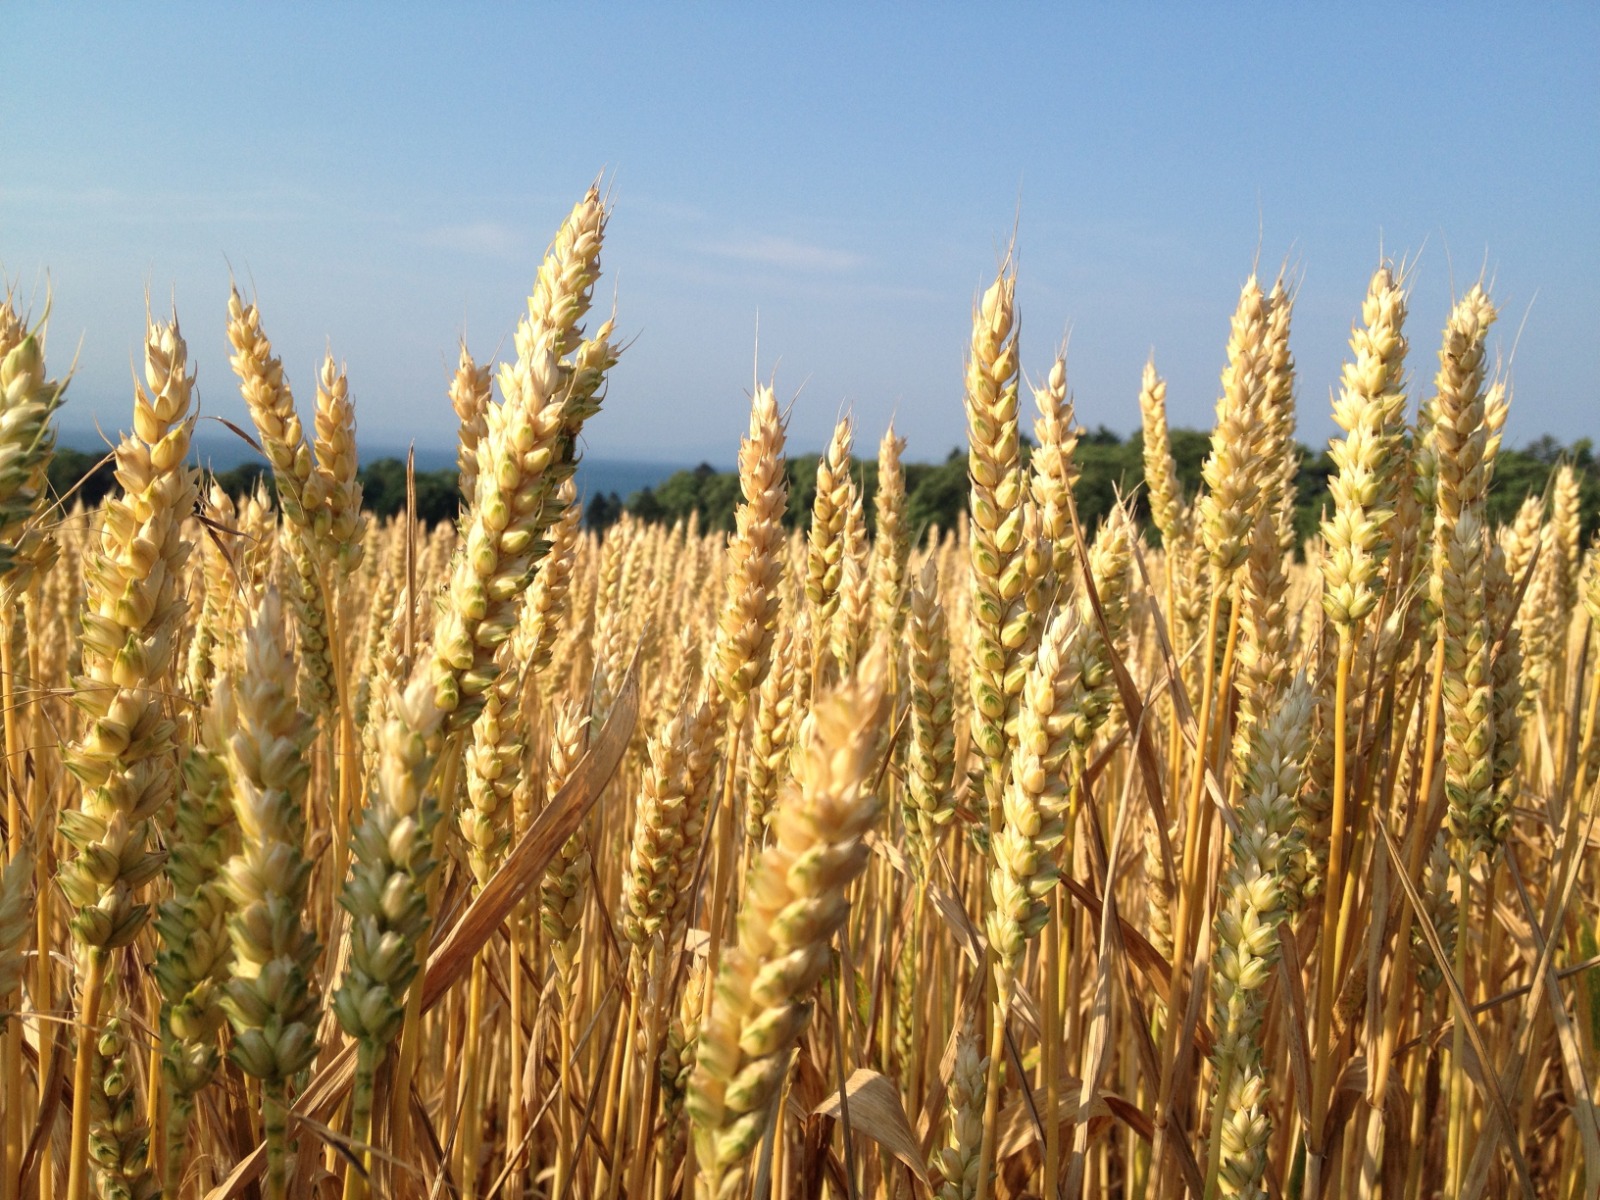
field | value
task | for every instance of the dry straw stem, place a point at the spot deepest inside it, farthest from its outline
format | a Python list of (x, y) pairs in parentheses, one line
[(16, 921), (796, 899)]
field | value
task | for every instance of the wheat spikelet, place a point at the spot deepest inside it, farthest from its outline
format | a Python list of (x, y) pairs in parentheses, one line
[(931, 745), (957, 1162), (471, 388), (121, 1138), (852, 619), (664, 826), (534, 643), (830, 512), (565, 887), (1000, 619), (1055, 472), (335, 447), (27, 441), (1066, 699), (891, 541), (795, 900), (1160, 471), (1233, 471), (755, 565), (1252, 906), (528, 450), (129, 640), (772, 733), (272, 1000), (1371, 411), (196, 956), (1280, 455)]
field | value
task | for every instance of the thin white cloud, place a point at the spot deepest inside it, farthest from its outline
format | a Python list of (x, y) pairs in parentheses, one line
[(479, 237), (785, 253)]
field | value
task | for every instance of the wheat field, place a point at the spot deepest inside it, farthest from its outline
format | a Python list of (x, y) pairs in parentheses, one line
[(348, 857)]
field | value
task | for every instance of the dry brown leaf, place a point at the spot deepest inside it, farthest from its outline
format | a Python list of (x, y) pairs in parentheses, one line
[(876, 1111)]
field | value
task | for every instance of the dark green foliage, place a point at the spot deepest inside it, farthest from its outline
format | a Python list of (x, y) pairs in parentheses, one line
[(936, 494)]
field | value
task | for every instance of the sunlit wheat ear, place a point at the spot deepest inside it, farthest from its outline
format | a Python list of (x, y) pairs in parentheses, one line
[(663, 827), (545, 607), (957, 1162), (1054, 467), (1566, 532), (1371, 411), (999, 617), (272, 1000), (1251, 909), (755, 563), (1464, 434), (1234, 472), (528, 450), (771, 734), (825, 551), (1160, 471), (564, 890), (132, 607), (795, 900), (493, 761), (470, 391), (335, 447), (931, 745), (851, 625), (120, 1141), (1279, 453), (891, 540), (28, 399), (195, 961), (301, 493)]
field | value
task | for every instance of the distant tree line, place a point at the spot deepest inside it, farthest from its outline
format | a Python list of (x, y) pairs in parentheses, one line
[(936, 493)]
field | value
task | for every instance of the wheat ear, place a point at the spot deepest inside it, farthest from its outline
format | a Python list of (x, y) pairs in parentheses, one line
[(796, 899)]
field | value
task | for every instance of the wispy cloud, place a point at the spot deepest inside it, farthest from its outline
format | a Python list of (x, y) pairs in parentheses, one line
[(785, 253), (479, 237)]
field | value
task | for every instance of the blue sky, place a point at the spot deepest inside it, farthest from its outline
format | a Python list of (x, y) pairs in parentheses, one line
[(386, 177)]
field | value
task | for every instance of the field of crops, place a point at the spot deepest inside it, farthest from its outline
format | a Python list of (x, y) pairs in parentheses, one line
[(348, 857)]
